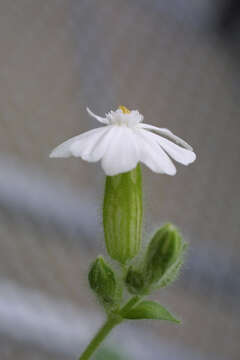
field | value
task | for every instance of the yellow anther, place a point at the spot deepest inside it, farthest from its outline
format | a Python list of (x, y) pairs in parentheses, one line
[(124, 109)]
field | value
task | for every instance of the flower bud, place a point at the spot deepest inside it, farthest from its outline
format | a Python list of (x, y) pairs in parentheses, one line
[(122, 214), (162, 263), (164, 255), (103, 282), (135, 281)]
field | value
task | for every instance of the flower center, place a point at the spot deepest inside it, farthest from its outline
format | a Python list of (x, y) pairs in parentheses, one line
[(124, 109), (124, 117)]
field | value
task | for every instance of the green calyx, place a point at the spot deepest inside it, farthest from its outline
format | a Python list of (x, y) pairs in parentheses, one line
[(162, 262), (103, 282), (122, 215), (135, 281), (163, 252)]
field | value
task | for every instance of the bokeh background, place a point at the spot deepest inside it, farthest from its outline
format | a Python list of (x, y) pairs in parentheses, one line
[(178, 63)]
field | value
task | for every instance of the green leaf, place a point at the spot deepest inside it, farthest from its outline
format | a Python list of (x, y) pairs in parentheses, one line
[(150, 310)]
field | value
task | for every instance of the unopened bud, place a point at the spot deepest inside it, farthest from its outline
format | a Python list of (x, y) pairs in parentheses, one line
[(162, 263), (103, 282), (122, 214), (135, 281), (162, 251), (164, 255)]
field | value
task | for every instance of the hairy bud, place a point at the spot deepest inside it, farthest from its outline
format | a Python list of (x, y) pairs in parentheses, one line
[(162, 262), (135, 281), (103, 282), (163, 251)]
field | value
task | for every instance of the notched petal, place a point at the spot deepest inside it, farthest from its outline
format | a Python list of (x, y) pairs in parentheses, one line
[(122, 154), (178, 153), (153, 156), (63, 150), (167, 133)]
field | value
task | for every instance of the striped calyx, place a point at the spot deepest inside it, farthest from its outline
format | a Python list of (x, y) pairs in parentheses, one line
[(164, 250), (122, 214)]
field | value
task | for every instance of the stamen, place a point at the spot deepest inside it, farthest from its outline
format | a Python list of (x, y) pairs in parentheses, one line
[(124, 109)]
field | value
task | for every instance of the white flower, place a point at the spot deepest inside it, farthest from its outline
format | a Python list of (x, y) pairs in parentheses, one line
[(124, 141)]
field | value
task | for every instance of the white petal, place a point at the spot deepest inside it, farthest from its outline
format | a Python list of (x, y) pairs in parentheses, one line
[(168, 134), (153, 156), (122, 154), (87, 146), (178, 153), (99, 146), (99, 118), (64, 149)]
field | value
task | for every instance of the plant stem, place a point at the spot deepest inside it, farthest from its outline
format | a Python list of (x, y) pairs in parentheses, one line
[(100, 336), (111, 322), (129, 305)]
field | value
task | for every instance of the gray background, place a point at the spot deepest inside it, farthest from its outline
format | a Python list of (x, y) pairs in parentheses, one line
[(167, 60)]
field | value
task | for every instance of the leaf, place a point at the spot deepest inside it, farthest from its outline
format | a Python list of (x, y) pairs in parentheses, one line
[(150, 310)]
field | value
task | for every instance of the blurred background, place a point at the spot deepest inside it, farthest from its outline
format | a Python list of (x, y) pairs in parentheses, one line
[(177, 62)]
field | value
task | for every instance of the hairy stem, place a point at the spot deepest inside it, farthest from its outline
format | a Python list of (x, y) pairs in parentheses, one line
[(99, 337), (131, 303), (111, 322)]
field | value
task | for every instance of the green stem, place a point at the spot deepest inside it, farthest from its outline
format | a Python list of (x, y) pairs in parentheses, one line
[(129, 305), (111, 322), (99, 337)]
